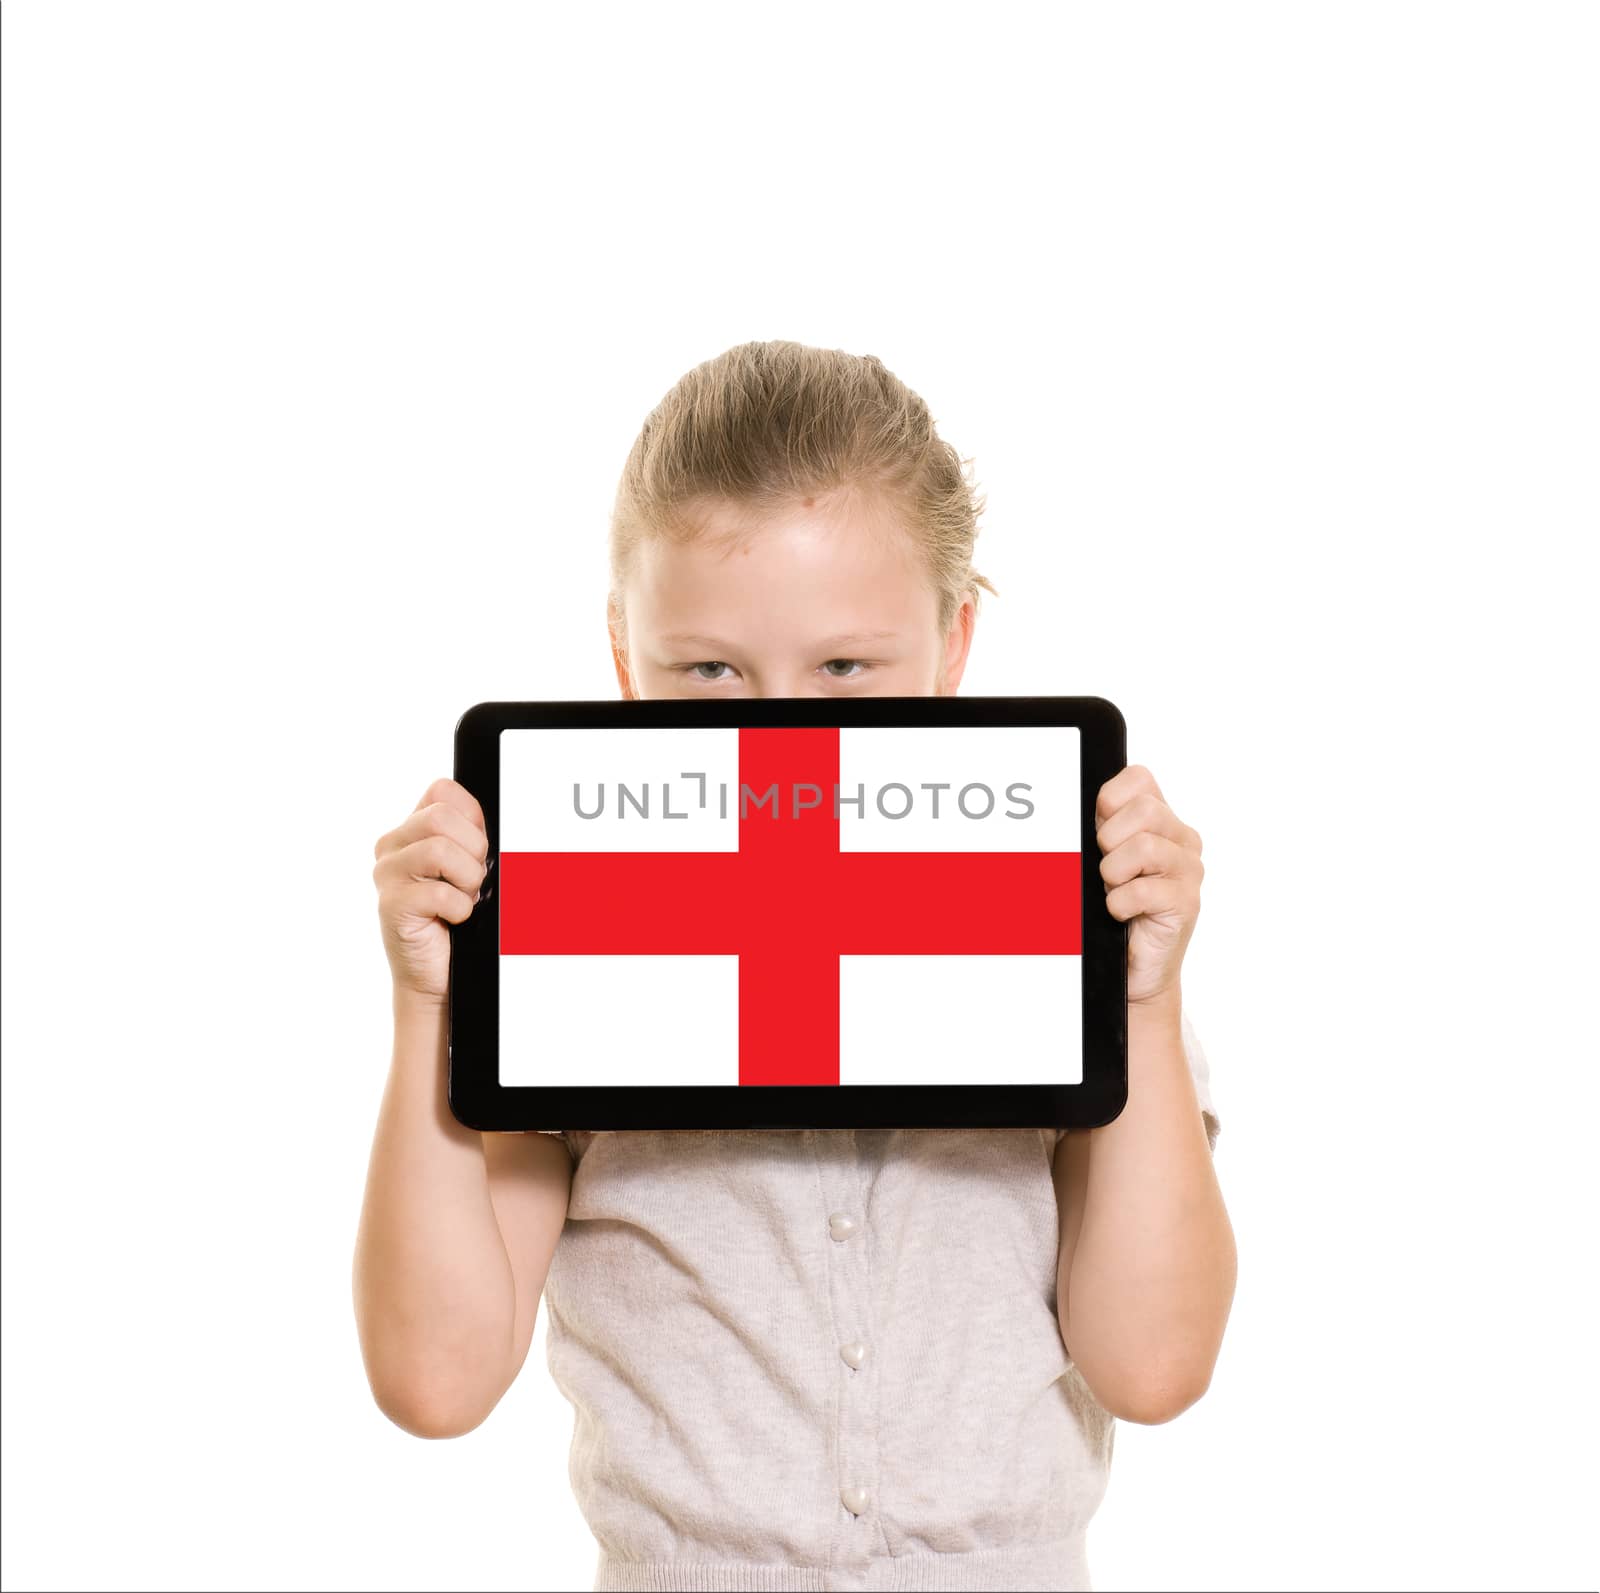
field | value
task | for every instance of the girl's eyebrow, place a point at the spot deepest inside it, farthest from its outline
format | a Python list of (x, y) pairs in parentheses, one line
[(694, 641), (848, 639)]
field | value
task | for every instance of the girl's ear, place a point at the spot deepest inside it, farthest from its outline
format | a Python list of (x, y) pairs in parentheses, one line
[(956, 647), (619, 656)]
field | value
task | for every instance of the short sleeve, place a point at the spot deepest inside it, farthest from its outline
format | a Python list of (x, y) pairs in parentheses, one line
[(561, 1134), (1200, 1072)]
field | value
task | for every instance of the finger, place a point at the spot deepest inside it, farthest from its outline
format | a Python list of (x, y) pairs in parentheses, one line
[(458, 796), (445, 818), (437, 818), (1145, 812), (429, 898), (1121, 788), (1148, 853), (1153, 893), (431, 857)]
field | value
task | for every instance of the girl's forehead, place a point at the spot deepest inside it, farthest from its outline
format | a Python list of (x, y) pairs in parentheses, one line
[(802, 569)]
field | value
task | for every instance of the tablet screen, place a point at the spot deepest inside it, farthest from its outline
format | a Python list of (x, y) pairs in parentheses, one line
[(790, 904)]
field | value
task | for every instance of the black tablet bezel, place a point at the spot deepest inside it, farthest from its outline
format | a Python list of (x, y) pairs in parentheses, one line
[(480, 1101)]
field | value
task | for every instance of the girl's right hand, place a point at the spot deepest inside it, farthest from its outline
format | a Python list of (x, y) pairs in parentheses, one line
[(428, 873)]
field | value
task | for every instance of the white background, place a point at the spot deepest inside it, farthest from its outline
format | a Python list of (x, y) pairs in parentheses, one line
[(1272, 331)]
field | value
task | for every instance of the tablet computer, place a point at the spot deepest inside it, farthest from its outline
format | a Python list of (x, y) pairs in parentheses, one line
[(863, 912)]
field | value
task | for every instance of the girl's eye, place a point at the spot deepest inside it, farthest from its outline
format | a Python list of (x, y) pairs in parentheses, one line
[(715, 663), (848, 672)]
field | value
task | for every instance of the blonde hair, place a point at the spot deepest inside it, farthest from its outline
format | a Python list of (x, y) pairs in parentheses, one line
[(765, 425)]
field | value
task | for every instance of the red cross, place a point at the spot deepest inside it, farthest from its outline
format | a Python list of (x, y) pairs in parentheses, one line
[(789, 904)]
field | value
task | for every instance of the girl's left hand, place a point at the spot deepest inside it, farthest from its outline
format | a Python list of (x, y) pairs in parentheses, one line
[(1152, 871)]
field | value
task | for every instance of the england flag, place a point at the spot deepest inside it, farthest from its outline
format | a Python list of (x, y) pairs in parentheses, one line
[(790, 905)]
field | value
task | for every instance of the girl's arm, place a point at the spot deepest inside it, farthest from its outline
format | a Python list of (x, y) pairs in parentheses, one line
[(458, 1227), (457, 1232), (1147, 1263)]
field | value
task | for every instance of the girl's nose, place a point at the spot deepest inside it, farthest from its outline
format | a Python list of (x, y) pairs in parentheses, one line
[(800, 686)]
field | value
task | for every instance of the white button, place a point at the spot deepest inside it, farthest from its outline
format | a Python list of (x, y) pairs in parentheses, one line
[(854, 1354), (841, 1225), (855, 1499)]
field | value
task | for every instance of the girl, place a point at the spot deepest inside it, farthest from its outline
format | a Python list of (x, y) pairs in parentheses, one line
[(884, 1358)]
